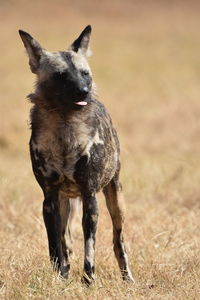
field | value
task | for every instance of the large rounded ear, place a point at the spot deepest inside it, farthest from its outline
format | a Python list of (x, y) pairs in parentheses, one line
[(33, 49), (82, 42)]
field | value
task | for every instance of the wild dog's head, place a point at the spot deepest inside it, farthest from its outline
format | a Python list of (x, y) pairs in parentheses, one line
[(63, 78)]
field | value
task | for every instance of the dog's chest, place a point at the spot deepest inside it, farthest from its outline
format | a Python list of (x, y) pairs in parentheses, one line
[(60, 144)]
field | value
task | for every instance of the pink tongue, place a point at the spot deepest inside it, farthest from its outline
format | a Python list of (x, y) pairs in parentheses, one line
[(81, 103)]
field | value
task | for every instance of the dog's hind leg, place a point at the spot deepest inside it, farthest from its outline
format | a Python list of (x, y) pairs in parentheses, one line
[(65, 212), (69, 209), (114, 201)]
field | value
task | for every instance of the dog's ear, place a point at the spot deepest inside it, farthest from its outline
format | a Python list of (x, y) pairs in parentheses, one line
[(82, 42), (33, 49)]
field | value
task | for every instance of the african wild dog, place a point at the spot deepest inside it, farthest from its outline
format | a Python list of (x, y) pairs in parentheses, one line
[(74, 151)]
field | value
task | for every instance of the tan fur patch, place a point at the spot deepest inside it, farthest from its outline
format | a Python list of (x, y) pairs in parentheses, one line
[(94, 140), (51, 62), (89, 251), (94, 218), (80, 61)]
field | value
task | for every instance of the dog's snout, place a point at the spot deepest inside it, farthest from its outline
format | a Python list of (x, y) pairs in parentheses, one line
[(83, 91)]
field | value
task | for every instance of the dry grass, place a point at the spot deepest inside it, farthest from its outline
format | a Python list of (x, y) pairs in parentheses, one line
[(147, 66)]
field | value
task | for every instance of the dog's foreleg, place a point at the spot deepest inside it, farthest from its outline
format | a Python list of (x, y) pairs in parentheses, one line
[(89, 223), (54, 227)]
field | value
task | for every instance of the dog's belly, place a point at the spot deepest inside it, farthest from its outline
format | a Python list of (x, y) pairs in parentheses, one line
[(71, 189)]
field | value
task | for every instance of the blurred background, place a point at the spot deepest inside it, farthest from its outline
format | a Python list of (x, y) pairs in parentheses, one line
[(146, 64)]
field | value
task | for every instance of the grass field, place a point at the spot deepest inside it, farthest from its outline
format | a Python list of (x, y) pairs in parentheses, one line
[(146, 64)]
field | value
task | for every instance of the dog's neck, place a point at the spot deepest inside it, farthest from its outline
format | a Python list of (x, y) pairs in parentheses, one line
[(42, 103), (44, 115)]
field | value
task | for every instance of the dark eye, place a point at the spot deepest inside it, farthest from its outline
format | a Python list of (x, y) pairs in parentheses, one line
[(85, 72)]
